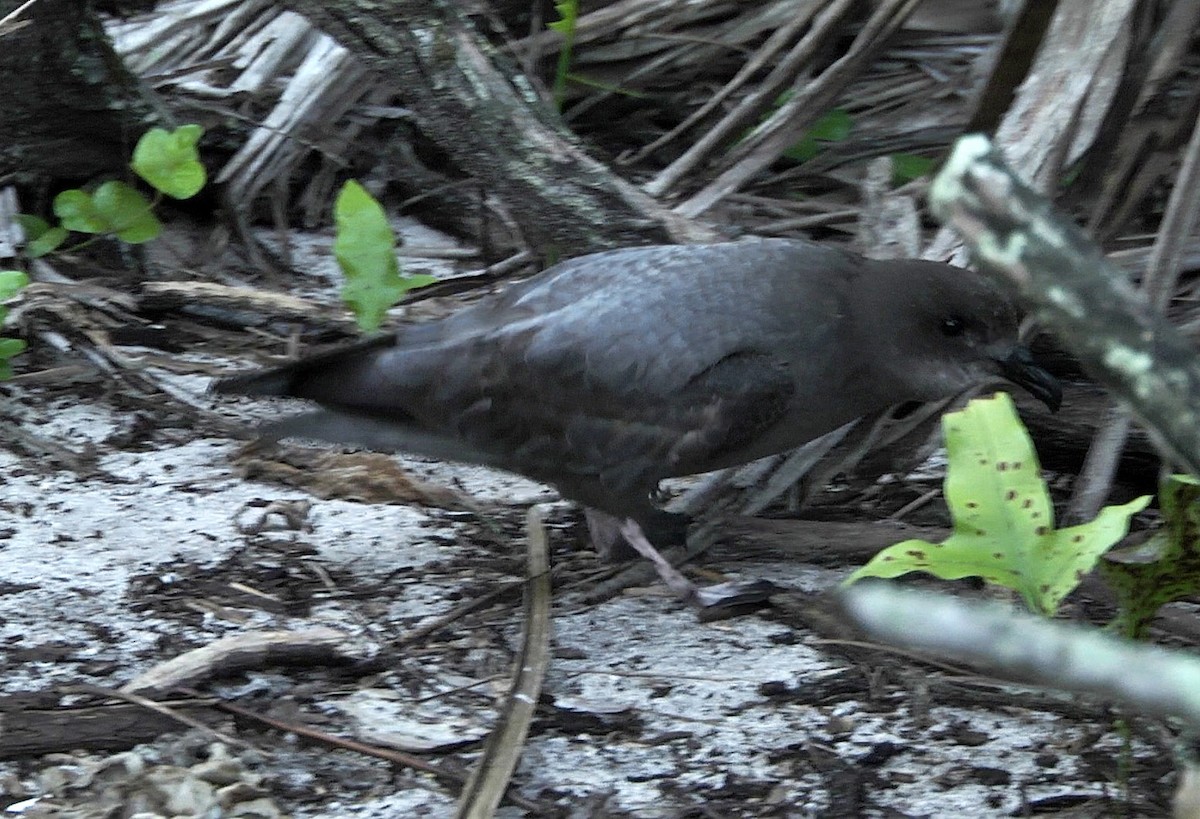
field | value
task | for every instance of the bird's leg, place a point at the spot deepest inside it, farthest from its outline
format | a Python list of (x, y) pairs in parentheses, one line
[(663, 529), (604, 530), (605, 509), (676, 582)]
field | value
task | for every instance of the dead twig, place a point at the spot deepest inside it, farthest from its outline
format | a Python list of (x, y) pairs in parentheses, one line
[(165, 710), (10, 23), (1146, 678), (242, 652), (448, 772), (784, 72), (457, 613), (489, 781), (788, 123)]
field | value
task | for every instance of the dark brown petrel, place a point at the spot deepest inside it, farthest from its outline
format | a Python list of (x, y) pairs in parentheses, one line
[(607, 373)]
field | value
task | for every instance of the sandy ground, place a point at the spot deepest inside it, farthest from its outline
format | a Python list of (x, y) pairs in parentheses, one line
[(646, 711)]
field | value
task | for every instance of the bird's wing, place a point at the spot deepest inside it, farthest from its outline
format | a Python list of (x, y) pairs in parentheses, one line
[(549, 412), (720, 411)]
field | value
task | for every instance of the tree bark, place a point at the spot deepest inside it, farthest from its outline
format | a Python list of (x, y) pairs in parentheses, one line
[(494, 126), (68, 107)]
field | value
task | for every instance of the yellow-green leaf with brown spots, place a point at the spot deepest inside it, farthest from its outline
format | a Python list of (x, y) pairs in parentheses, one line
[(1003, 520)]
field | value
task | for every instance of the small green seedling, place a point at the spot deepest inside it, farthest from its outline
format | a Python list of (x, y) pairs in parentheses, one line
[(1164, 568), (11, 282), (365, 249), (114, 208), (167, 160), (170, 162), (566, 25), (1003, 520), (568, 17)]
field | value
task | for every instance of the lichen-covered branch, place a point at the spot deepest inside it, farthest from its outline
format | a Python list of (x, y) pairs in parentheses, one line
[(1152, 680), (1086, 300)]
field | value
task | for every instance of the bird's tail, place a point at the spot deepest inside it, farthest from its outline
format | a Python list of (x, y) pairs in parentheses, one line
[(267, 382), (294, 379)]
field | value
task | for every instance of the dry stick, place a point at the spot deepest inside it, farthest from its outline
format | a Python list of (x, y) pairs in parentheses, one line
[(399, 757), (754, 103), (1047, 116), (1183, 207), (173, 295), (761, 57), (1099, 466), (1112, 328), (787, 124), (607, 18), (9, 22), (240, 652), (797, 465), (1010, 62), (489, 781), (1158, 283), (456, 613), (1170, 44), (166, 711), (446, 772), (561, 196), (466, 282)]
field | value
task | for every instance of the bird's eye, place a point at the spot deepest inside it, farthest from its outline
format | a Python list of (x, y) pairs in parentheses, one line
[(953, 326)]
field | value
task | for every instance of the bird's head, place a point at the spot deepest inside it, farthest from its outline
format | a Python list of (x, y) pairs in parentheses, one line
[(946, 329)]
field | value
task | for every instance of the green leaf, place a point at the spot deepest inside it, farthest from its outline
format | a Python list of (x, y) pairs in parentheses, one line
[(1003, 521), (76, 210), (11, 346), (40, 237), (419, 280), (907, 167), (33, 226), (1163, 569), (807, 148), (48, 242), (365, 250), (11, 283), (1071, 176), (169, 161), (129, 214), (568, 15), (834, 126)]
